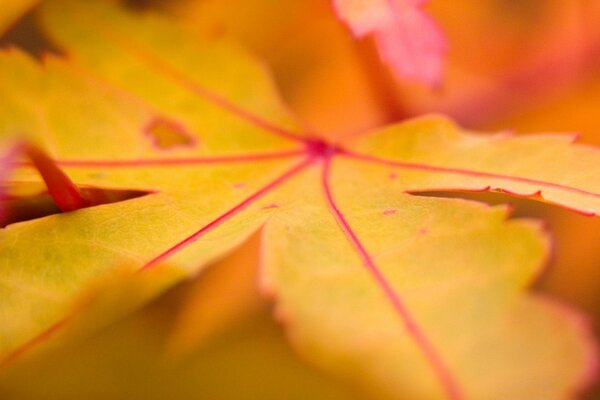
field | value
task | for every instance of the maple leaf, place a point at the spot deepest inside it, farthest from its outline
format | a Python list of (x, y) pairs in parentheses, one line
[(412, 296), (407, 38)]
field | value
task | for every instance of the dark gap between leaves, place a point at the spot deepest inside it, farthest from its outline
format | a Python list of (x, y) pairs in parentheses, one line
[(27, 35), (522, 207), (38, 205)]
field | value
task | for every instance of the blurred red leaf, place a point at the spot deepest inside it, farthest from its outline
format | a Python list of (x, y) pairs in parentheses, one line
[(408, 39)]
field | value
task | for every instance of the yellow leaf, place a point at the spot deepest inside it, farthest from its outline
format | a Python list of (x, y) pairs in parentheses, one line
[(407, 296), (388, 271)]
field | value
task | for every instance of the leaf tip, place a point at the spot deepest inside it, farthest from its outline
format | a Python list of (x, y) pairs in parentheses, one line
[(408, 39), (582, 325)]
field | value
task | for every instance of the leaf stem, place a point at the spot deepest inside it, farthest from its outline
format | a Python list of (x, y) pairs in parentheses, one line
[(64, 192)]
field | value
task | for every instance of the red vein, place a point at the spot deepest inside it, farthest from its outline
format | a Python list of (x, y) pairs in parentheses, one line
[(228, 215), (466, 172), (441, 370), (178, 161), (35, 341), (56, 327), (188, 83)]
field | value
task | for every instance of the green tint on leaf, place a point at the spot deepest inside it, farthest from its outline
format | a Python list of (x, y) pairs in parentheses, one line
[(408, 296), (247, 361)]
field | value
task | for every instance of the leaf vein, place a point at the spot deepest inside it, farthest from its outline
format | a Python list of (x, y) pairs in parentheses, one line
[(449, 383), (466, 172)]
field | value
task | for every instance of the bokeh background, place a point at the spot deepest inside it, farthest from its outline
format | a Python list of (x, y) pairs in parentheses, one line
[(527, 65)]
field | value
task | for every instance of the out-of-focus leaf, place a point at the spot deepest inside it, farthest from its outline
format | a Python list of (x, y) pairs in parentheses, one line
[(227, 295), (408, 39), (129, 360), (505, 56)]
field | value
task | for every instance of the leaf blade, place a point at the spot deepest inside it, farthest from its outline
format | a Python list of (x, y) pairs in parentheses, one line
[(443, 157), (341, 320)]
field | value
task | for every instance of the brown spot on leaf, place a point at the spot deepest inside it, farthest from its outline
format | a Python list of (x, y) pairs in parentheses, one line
[(389, 212), (166, 134)]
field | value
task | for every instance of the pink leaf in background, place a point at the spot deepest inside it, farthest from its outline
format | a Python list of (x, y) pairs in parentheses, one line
[(407, 38)]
